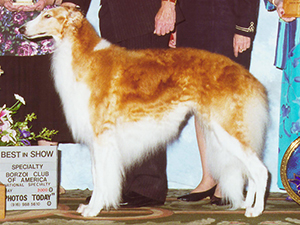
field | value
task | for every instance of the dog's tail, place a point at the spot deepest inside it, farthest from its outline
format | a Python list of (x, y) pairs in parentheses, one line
[(225, 167), (232, 162)]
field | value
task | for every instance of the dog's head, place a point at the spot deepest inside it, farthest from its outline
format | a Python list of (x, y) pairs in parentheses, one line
[(53, 22)]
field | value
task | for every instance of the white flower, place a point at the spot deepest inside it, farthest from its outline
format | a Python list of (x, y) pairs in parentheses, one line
[(5, 126), (5, 115), (20, 98), (9, 137), (6, 138)]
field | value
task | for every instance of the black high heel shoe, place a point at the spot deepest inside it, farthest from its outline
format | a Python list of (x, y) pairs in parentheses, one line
[(214, 200), (197, 196)]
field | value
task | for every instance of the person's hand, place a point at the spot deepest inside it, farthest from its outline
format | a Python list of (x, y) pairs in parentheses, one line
[(240, 44), (8, 4), (69, 4), (165, 18), (281, 12), (38, 6)]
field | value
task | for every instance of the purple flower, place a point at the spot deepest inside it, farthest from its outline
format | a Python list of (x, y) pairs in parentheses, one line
[(24, 133), (25, 142), (295, 127), (286, 77), (285, 110), (295, 62), (297, 79)]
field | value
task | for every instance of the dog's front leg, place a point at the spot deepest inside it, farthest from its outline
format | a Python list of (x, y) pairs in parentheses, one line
[(107, 172)]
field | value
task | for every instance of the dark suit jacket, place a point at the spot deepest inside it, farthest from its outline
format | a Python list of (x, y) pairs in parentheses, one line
[(246, 17), (132, 18)]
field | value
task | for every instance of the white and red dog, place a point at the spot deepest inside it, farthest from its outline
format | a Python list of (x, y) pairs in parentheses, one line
[(123, 103)]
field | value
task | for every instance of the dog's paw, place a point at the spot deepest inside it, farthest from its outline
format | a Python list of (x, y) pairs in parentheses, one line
[(245, 205), (87, 211), (81, 208), (253, 212)]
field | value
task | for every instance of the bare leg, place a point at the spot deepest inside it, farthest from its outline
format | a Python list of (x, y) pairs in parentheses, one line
[(207, 181)]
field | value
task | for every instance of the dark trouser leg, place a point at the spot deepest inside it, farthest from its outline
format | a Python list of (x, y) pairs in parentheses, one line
[(149, 177)]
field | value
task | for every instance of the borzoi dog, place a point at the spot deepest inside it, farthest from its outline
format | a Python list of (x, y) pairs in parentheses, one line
[(123, 103)]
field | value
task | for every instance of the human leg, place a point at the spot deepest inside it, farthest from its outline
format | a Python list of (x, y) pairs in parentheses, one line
[(207, 181), (208, 186)]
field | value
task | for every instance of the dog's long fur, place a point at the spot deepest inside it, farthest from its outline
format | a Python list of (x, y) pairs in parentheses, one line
[(123, 103)]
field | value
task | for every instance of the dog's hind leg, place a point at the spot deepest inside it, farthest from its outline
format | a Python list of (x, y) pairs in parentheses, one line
[(256, 117), (252, 166), (225, 167), (259, 175), (107, 172), (250, 194)]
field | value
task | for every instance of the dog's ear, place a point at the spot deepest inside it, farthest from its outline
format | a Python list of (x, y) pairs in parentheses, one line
[(74, 18)]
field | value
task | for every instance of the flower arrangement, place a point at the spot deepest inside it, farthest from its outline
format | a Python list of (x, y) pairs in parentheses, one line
[(18, 133)]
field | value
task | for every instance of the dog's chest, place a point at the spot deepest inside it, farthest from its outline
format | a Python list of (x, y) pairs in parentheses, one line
[(74, 95)]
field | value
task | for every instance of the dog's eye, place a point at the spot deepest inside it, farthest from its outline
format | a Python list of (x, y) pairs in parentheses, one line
[(47, 16)]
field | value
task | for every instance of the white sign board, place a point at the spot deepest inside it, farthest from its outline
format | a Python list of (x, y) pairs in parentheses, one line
[(30, 176)]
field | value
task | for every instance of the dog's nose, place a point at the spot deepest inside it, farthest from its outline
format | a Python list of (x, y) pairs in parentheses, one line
[(22, 29)]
